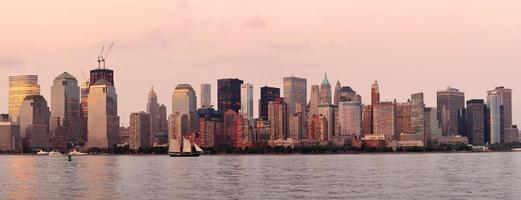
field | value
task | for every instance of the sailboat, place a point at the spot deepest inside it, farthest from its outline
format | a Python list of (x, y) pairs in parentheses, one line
[(176, 149)]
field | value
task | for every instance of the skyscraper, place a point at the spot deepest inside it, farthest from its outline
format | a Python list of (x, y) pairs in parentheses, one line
[(66, 116), (267, 94), (375, 93), (367, 120), (103, 119), (163, 119), (34, 122), (325, 91), (154, 116), (101, 73), (347, 94), (449, 102), (277, 110), (384, 119), (505, 98), (184, 101), (247, 102), (495, 116), (336, 97), (139, 134), (314, 99), (21, 86), (350, 118), (9, 135), (432, 125), (295, 92), (210, 126), (328, 112), (206, 95), (476, 121), (229, 94)]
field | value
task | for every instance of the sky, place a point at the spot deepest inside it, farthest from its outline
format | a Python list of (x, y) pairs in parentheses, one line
[(409, 46)]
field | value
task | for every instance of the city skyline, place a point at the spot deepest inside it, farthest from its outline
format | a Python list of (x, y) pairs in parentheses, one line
[(405, 54)]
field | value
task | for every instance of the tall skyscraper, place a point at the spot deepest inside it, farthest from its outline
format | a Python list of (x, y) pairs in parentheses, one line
[(336, 97), (347, 94), (66, 115), (103, 119), (476, 121), (328, 111), (139, 134), (206, 95), (314, 100), (34, 122), (229, 94), (295, 126), (154, 116), (163, 119), (384, 119), (178, 126), (184, 101), (495, 116), (367, 120), (21, 86), (375, 93), (350, 118), (325, 91), (247, 101), (101, 73), (505, 99), (267, 94), (277, 110), (84, 101), (295, 92), (432, 125), (449, 102)]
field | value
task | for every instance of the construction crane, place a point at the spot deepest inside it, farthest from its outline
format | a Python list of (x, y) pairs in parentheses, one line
[(84, 77), (100, 57), (103, 58)]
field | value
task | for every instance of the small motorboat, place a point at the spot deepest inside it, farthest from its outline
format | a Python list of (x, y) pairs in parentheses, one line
[(76, 153), (516, 149), (42, 152), (55, 153)]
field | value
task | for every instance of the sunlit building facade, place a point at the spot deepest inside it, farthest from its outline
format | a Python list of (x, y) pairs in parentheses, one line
[(21, 86)]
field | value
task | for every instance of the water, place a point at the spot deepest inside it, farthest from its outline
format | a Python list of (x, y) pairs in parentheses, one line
[(366, 176)]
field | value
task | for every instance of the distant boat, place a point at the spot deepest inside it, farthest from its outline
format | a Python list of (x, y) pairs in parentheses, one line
[(516, 149), (176, 149), (76, 153), (42, 152), (55, 153)]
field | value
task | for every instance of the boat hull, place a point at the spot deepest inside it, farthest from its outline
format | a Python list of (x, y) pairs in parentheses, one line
[(185, 155)]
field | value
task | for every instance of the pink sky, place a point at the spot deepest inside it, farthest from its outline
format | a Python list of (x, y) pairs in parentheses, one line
[(408, 46)]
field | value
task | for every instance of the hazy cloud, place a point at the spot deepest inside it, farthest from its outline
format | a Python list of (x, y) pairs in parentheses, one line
[(11, 61), (256, 22), (288, 46), (184, 5)]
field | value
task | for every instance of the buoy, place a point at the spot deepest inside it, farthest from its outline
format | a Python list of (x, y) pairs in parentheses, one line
[(70, 158)]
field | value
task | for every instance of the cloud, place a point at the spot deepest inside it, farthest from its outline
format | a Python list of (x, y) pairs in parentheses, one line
[(11, 61), (256, 22), (288, 46), (184, 5)]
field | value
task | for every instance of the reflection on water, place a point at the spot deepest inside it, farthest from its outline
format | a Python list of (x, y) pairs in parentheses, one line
[(389, 176)]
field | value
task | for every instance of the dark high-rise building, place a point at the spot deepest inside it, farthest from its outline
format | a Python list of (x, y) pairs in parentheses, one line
[(449, 103), (101, 73), (229, 94), (476, 121), (267, 94), (375, 93)]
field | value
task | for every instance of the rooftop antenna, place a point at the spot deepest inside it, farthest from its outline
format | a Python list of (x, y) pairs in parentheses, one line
[(100, 56), (103, 58)]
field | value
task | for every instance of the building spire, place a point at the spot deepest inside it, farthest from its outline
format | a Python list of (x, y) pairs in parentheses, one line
[(325, 81)]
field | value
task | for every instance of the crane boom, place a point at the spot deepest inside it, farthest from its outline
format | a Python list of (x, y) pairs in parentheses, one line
[(103, 58), (100, 56)]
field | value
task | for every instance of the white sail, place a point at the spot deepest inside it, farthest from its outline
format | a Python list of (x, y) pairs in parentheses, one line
[(197, 148), (187, 148), (174, 146)]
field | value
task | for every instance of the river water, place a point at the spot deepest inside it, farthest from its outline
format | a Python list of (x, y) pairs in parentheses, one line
[(362, 176)]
